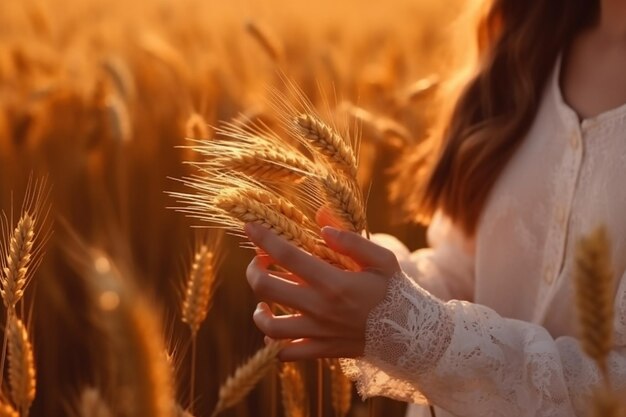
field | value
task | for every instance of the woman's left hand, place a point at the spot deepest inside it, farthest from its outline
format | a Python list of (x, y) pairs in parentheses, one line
[(332, 304)]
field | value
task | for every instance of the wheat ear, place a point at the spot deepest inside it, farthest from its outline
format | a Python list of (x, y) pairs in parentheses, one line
[(341, 389), (238, 204), (18, 259), (6, 410), (328, 142), (199, 289), (21, 365), (293, 391), (93, 405), (20, 253), (269, 165), (281, 205), (594, 296), (246, 377), (346, 202)]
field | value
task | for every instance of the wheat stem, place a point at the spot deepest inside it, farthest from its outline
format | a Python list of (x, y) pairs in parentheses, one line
[(192, 373)]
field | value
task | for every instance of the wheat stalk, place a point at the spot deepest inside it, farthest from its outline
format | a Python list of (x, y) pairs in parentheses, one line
[(293, 391), (21, 365), (594, 296), (344, 199), (199, 290), (247, 376), (341, 389), (328, 142), (93, 405)]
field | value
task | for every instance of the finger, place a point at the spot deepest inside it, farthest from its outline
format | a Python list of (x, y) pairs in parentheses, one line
[(289, 256), (365, 252), (261, 262), (272, 288), (303, 349), (267, 262), (325, 217), (263, 259), (293, 326)]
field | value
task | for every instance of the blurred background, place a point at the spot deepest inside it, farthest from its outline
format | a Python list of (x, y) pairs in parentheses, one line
[(99, 95)]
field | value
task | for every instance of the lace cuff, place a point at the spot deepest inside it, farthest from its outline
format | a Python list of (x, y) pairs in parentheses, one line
[(406, 336)]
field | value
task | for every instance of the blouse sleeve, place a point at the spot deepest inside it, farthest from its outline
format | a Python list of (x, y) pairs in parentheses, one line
[(445, 268), (468, 360)]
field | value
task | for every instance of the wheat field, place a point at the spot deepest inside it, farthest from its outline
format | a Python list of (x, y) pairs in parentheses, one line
[(121, 125)]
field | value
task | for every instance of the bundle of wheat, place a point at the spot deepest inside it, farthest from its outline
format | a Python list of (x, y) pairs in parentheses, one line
[(252, 174)]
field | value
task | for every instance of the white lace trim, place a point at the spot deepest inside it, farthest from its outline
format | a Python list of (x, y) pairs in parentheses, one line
[(406, 335), (469, 360)]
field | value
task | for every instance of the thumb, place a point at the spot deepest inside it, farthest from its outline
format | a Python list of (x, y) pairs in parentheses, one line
[(364, 252)]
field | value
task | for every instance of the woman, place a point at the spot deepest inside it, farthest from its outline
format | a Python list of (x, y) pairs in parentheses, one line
[(533, 158)]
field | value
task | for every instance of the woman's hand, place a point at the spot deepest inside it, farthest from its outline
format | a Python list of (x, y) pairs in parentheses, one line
[(332, 304)]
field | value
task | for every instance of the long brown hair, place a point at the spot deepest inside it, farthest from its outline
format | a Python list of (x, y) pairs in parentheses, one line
[(518, 44)]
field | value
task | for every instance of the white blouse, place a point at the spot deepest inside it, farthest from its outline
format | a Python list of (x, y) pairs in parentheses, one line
[(510, 348)]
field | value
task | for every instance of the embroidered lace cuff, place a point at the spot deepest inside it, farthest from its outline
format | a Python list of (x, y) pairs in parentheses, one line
[(406, 336)]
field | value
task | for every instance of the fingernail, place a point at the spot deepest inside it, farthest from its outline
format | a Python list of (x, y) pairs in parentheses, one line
[(258, 309), (330, 231)]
